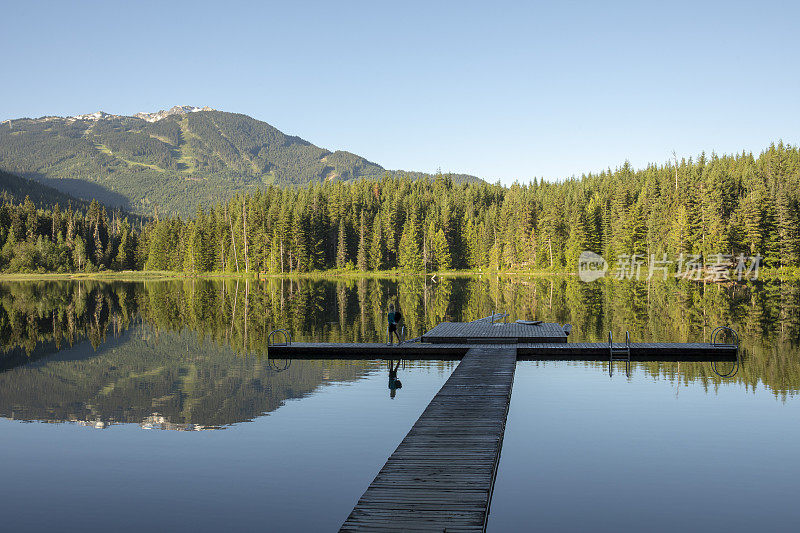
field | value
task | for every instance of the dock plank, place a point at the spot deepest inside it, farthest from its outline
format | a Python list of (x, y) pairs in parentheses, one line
[(483, 331), (442, 474)]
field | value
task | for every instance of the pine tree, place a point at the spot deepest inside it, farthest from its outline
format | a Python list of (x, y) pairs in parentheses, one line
[(361, 257), (31, 219), (376, 249), (299, 241), (79, 256), (712, 205), (341, 247), (98, 246), (428, 260), (441, 251), (594, 225), (754, 220), (680, 232), (577, 241), (124, 251), (788, 225), (190, 259), (410, 250)]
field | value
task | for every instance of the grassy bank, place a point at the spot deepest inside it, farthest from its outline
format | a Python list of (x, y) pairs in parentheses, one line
[(146, 275), (766, 274), (124, 275)]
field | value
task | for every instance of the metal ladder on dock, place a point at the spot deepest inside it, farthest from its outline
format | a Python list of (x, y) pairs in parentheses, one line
[(732, 372), (617, 353), (287, 341)]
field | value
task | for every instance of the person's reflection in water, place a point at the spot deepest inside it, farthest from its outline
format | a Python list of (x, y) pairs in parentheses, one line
[(394, 383)]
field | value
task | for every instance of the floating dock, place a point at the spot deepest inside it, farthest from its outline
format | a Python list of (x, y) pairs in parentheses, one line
[(543, 351), (441, 476)]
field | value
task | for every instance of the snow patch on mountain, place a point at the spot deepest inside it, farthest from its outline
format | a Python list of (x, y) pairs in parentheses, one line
[(97, 115), (149, 117), (177, 110)]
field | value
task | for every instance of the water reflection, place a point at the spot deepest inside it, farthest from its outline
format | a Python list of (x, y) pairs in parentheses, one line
[(643, 454), (38, 320), (162, 380), (394, 382), (317, 454)]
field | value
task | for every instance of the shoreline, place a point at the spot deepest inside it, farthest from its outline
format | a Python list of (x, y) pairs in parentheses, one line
[(145, 275)]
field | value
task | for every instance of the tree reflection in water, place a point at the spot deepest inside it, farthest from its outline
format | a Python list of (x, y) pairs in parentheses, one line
[(193, 353)]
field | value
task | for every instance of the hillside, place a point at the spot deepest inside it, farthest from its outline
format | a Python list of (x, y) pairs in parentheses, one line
[(172, 160), (19, 188)]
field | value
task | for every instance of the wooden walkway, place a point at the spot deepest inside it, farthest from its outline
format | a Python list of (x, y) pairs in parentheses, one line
[(440, 478)]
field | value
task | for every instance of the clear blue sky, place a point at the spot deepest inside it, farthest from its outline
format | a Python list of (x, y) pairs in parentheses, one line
[(501, 90)]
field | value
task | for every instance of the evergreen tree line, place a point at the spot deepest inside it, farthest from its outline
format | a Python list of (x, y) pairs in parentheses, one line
[(729, 205), (719, 204), (54, 240)]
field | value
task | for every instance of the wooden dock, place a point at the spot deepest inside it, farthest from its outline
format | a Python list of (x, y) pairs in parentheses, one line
[(563, 351), (640, 351), (541, 341), (440, 477)]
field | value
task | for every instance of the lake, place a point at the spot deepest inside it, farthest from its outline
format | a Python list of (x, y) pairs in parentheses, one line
[(155, 404)]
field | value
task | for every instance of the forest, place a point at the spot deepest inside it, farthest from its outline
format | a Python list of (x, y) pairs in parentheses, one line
[(709, 205)]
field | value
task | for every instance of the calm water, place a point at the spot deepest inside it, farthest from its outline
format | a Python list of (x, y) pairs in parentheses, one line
[(253, 448), (156, 403), (585, 451)]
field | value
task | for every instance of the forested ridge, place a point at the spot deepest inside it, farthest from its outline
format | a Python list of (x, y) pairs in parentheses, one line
[(17, 189), (719, 204)]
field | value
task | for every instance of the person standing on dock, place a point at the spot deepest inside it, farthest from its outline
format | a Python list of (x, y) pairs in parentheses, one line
[(395, 318)]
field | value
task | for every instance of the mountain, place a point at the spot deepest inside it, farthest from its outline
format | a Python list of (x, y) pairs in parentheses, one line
[(173, 160)]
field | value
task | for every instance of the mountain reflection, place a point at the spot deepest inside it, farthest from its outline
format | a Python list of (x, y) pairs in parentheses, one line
[(160, 380), (192, 354)]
